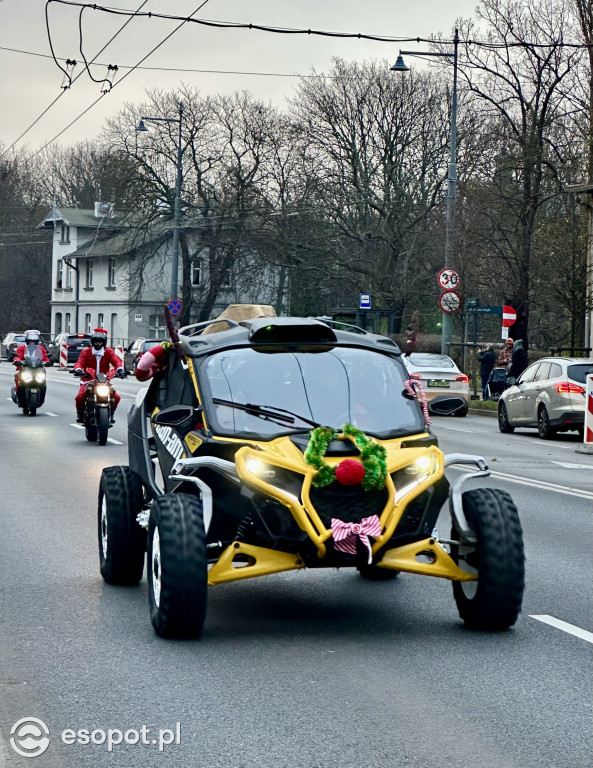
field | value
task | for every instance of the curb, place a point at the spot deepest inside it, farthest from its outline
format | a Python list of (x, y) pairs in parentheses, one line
[(480, 412)]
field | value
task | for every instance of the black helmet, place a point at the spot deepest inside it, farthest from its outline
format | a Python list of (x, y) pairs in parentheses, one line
[(32, 337), (99, 338)]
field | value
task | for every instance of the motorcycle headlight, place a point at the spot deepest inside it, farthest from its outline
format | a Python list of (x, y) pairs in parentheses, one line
[(26, 376), (102, 390), (40, 377)]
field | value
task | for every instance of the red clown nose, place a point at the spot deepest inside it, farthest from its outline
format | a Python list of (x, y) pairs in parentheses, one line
[(349, 472)]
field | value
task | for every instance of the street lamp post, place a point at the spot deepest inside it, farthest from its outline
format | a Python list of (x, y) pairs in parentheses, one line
[(400, 66), (177, 205)]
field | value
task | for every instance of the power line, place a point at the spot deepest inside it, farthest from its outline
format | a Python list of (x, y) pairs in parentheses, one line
[(59, 96), (184, 21)]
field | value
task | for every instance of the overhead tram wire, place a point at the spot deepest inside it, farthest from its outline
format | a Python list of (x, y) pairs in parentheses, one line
[(59, 96), (315, 32), (57, 136)]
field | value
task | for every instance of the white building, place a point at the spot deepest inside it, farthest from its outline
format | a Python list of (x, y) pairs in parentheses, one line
[(115, 276)]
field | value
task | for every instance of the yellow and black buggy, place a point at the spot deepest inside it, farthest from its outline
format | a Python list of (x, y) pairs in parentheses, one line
[(285, 443)]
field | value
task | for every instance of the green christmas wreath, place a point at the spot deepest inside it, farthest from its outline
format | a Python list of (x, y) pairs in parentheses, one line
[(372, 455)]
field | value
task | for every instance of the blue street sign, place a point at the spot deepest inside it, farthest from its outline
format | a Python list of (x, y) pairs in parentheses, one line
[(364, 301), (175, 306), (488, 310)]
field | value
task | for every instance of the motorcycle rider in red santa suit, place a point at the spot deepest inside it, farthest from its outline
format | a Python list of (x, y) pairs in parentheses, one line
[(31, 337), (98, 357)]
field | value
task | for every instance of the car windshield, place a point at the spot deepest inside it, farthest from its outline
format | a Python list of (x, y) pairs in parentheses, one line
[(149, 344), (430, 361), (331, 387), (580, 372)]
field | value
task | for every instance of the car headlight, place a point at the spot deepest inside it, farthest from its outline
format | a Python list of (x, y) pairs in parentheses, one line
[(414, 474), (102, 390), (284, 480), (26, 376), (40, 377)]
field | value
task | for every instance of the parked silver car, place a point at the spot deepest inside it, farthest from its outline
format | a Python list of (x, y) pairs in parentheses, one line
[(548, 395)]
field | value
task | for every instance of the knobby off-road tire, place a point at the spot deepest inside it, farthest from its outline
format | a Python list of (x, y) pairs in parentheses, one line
[(122, 542), (177, 566), (103, 425), (493, 602), (372, 573), (503, 420)]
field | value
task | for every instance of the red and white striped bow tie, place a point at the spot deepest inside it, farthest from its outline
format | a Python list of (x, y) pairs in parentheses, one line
[(346, 534)]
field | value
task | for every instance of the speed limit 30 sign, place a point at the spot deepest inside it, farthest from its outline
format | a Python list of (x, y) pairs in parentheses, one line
[(448, 279)]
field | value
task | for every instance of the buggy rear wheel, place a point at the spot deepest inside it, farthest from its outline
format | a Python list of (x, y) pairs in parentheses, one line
[(122, 542), (177, 566), (493, 602)]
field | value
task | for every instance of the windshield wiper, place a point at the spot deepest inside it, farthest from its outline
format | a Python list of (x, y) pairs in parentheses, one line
[(266, 412)]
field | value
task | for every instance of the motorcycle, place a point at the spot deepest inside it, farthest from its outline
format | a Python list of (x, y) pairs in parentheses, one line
[(30, 393), (99, 404)]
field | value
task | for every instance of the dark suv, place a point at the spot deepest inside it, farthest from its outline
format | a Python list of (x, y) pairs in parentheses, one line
[(136, 350), (75, 343)]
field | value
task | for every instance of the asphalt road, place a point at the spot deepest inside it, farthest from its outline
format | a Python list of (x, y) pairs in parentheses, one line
[(312, 669)]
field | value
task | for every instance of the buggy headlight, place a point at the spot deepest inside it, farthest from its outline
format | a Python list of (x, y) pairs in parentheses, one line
[(414, 474), (26, 376), (287, 482), (102, 390), (424, 465), (40, 377)]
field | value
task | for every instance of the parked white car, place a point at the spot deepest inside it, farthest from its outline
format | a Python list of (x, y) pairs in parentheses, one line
[(548, 395), (447, 388)]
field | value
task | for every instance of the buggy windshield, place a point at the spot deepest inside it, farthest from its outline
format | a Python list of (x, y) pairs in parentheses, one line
[(331, 387)]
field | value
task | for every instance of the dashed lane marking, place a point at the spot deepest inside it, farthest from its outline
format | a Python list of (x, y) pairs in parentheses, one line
[(568, 465), (114, 441), (564, 626), (78, 426), (49, 413)]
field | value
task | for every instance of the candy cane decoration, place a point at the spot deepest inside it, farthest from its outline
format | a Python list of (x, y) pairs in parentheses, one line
[(411, 386)]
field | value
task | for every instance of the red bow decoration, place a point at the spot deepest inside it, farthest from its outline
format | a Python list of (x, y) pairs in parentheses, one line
[(346, 534)]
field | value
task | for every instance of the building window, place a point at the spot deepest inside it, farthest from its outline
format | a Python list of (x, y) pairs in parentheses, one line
[(65, 234), (87, 323), (196, 271), (156, 326), (111, 273), (112, 328), (68, 327), (100, 320), (89, 273), (59, 274), (58, 324), (68, 275), (225, 279)]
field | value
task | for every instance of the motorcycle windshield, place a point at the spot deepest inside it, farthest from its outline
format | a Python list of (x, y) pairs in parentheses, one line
[(33, 356), (332, 387)]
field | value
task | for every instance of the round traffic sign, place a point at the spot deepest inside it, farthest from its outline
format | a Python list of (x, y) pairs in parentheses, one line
[(448, 279), (509, 315), (175, 306), (449, 302)]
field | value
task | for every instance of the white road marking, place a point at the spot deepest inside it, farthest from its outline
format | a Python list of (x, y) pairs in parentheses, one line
[(458, 429), (78, 426), (9, 399), (542, 484), (49, 413), (564, 626), (114, 441), (568, 465)]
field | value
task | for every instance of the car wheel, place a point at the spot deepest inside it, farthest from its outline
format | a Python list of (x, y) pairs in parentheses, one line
[(177, 566), (503, 420), (462, 411), (493, 602), (372, 573), (122, 542), (546, 431)]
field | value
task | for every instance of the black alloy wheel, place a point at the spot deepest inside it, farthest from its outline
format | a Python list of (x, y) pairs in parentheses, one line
[(544, 428), (503, 420)]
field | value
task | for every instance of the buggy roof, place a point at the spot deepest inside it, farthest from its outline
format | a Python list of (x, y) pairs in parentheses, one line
[(281, 333)]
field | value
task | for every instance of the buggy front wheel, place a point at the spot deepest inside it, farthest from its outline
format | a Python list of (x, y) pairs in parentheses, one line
[(493, 601), (177, 566)]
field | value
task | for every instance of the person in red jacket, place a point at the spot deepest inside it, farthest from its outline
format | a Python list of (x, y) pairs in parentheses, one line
[(31, 337), (97, 357)]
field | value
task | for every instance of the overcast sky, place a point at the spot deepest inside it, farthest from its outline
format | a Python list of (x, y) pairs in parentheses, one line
[(29, 83)]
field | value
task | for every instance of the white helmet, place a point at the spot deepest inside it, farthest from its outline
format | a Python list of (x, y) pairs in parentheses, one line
[(32, 337)]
